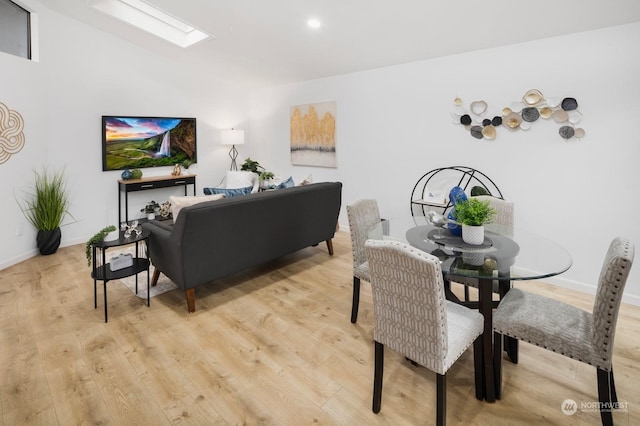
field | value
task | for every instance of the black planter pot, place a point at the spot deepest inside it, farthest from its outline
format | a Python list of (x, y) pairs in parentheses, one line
[(48, 241)]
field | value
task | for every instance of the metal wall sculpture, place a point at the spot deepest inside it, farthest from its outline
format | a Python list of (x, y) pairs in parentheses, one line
[(520, 115), (11, 135)]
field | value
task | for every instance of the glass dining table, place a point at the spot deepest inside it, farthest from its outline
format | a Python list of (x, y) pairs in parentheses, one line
[(507, 254)]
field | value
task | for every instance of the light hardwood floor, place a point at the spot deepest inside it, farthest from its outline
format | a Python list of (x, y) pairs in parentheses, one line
[(272, 345)]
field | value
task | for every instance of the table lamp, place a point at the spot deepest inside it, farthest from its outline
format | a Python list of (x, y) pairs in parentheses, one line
[(232, 137)]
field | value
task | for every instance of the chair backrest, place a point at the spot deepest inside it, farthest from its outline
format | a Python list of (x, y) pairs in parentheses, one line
[(504, 213), (363, 214), (409, 304), (613, 277)]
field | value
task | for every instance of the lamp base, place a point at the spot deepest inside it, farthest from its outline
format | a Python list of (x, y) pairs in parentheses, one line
[(233, 153)]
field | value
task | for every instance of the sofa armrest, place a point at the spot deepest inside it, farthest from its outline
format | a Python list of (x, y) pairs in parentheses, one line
[(164, 251)]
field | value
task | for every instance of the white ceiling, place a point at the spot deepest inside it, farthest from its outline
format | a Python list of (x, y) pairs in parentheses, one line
[(267, 42)]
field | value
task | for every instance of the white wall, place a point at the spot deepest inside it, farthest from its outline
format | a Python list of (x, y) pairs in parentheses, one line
[(82, 74), (394, 124)]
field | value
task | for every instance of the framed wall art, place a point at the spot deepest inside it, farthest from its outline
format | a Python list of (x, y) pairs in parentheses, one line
[(313, 134)]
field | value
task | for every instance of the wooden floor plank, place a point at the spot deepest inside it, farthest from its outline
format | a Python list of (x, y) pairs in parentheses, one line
[(272, 345)]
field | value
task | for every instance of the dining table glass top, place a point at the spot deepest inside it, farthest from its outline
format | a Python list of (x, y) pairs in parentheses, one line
[(507, 253)]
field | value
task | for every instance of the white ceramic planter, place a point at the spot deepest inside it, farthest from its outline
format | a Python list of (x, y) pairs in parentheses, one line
[(112, 236), (473, 234)]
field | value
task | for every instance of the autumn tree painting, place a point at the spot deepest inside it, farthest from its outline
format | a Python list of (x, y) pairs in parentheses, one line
[(313, 134)]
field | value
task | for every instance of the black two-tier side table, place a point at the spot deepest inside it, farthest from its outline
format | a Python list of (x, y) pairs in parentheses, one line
[(102, 269)]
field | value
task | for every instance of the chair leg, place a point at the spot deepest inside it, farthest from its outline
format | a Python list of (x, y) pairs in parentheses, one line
[(497, 360), (377, 376), (604, 397), (466, 293), (510, 344), (356, 300), (441, 410), (511, 348), (477, 368), (612, 389)]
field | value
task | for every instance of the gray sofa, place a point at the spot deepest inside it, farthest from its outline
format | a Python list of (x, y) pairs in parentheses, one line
[(217, 238)]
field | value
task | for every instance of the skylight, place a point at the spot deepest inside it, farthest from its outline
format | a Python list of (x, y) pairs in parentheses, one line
[(151, 19)]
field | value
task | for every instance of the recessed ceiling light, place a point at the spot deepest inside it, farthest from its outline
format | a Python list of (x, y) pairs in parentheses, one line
[(314, 23), (151, 19)]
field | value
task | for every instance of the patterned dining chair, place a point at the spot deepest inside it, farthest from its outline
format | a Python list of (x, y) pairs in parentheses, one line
[(570, 331), (363, 214), (502, 224), (413, 317)]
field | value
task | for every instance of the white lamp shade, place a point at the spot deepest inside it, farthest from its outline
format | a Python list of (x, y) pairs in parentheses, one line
[(232, 137)]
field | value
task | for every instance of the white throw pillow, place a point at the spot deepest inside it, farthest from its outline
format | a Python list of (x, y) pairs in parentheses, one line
[(241, 179), (178, 203)]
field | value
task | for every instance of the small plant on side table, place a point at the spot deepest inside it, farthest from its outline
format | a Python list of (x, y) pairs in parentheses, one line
[(265, 177), (96, 239)]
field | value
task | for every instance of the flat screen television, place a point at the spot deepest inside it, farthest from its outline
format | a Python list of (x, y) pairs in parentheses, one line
[(138, 142)]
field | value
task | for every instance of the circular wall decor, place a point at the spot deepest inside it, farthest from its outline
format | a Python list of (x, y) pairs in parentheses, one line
[(11, 133)]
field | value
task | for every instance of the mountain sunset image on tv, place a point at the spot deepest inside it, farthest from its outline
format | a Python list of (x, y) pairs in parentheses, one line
[(138, 142)]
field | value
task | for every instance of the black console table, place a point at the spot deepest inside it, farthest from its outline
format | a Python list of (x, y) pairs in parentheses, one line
[(144, 184)]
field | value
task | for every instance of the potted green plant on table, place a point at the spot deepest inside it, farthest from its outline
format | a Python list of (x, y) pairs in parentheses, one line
[(473, 214), (99, 236), (266, 179), (45, 207), (250, 165), (264, 176)]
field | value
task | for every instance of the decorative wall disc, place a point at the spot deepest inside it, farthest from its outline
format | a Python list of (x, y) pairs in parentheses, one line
[(478, 107), (11, 135), (519, 115), (533, 97)]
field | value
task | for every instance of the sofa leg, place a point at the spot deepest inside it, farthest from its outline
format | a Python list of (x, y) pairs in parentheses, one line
[(330, 247), (191, 299), (156, 275)]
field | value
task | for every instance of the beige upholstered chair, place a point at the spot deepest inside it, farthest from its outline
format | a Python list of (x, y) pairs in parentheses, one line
[(502, 224), (413, 317), (363, 214), (567, 330)]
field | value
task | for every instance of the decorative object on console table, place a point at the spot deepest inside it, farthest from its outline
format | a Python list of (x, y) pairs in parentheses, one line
[(165, 210), (150, 209), (473, 214), (232, 137)]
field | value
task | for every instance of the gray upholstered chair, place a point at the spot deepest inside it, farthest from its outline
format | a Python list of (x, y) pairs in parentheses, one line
[(412, 316), (570, 331), (363, 214)]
